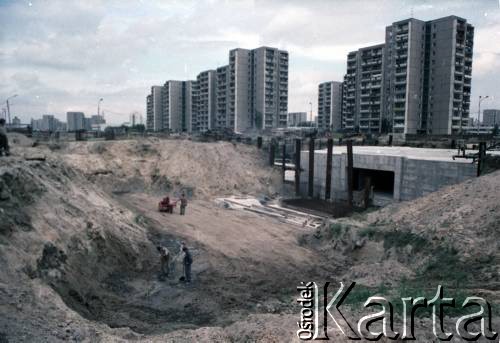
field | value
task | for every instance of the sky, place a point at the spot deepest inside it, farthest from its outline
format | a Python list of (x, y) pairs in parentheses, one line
[(64, 55)]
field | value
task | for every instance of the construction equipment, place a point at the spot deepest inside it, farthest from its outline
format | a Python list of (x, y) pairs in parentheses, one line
[(167, 206)]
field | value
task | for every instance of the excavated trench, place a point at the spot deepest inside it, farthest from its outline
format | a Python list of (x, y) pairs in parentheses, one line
[(106, 270), (107, 281)]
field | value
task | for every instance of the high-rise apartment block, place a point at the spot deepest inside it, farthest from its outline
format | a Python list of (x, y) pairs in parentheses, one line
[(419, 81), (172, 107), (258, 88), (206, 101), (154, 115), (491, 117), (250, 93), (362, 101), (222, 118), (330, 105), (295, 118), (75, 121)]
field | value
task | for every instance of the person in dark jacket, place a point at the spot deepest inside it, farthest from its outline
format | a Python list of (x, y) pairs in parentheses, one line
[(188, 261), (184, 204), (4, 141), (164, 262)]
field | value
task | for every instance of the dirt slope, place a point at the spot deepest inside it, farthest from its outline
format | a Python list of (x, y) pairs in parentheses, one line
[(79, 261), (78, 233), (201, 169)]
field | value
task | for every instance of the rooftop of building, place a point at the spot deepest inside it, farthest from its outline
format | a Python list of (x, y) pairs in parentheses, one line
[(427, 154)]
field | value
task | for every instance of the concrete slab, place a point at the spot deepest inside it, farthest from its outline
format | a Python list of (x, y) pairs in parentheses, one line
[(408, 152)]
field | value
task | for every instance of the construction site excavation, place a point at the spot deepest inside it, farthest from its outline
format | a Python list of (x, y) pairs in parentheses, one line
[(249, 171), (82, 222)]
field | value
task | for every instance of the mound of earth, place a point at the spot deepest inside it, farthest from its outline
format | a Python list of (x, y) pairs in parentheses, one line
[(79, 263), (449, 237), (200, 169)]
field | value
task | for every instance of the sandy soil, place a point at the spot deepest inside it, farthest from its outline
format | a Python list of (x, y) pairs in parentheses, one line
[(78, 232)]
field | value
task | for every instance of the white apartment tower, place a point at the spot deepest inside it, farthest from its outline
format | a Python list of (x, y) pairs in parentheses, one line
[(258, 89), (330, 105), (206, 116), (419, 81)]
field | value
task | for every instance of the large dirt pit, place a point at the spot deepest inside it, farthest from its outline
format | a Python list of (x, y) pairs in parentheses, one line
[(79, 230)]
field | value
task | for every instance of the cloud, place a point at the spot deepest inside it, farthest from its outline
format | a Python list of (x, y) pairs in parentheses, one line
[(66, 54)]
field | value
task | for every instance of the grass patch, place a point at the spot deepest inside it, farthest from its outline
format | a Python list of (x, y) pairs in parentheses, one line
[(336, 230), (413, 288), (396, 239), (444, 262)]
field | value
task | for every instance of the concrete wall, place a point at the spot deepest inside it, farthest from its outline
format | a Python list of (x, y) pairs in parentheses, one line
[(412, 177)]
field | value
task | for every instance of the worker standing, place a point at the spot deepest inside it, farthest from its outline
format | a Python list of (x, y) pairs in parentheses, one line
[(188, 261), (4, 141), (184, 203), (164, 262)]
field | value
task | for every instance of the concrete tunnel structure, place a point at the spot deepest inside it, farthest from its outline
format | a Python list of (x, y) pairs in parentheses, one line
[(397, 173)]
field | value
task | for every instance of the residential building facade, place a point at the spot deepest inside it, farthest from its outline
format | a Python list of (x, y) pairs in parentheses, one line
[(491, 117), (75, 121), (419, 81), (295, 118), (250, 93), (206, 115), (154, 109), (222, 118), (330, 105), (258, 88)]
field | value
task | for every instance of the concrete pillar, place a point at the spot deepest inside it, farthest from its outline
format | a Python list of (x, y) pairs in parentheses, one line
[(328, 185), (481, 156), (311, 168), (298, 148), (271, 152), (398, 177), (259, 142), (283, 164), (350, 172)]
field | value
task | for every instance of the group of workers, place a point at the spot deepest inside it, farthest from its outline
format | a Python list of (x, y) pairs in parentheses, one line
[(4, 141), (165, 262), (168, 205)]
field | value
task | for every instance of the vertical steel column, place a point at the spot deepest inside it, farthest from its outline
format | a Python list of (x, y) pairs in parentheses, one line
[(329, 151), (480, 160), (298, 148), (311, 168), (271, 152), (367, 191), (349, 173), (283, 164), (259, 142)]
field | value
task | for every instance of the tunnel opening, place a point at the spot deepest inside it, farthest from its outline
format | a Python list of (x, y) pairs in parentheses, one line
[(382, 181)]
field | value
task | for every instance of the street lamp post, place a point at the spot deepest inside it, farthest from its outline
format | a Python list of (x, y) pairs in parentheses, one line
[(8, 107), (481, 98), (99, 107), (310, 103)]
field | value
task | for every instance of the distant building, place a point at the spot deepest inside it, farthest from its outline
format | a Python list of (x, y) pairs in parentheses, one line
[(419, 81), (491, 117), (362, 97), (172, 107), (222, 117), (330, 106), (250, 93), (190, 97), (48, 123), (206, 116), (258, 94), (75, 121), (154, 111), (16, 122), (295, 118)]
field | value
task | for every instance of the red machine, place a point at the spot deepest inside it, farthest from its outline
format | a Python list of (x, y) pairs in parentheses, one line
[(166, 205)]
